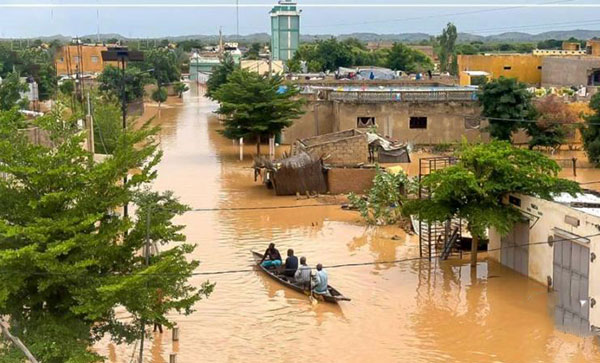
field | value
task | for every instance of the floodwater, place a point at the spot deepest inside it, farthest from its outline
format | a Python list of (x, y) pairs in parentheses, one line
[(409, 311)]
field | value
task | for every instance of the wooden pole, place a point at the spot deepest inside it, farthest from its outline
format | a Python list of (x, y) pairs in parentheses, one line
[(173, 358), (16, 341), (175, 333), (474, 245)]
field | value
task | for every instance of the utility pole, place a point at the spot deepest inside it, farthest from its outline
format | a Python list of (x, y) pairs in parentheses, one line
[(147, 253), (124, 112)]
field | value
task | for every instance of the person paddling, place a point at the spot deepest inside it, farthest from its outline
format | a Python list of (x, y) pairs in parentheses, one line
[(274, 257)]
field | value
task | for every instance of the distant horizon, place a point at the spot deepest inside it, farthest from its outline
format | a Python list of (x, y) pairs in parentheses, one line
[(205, 35), (23, 19)]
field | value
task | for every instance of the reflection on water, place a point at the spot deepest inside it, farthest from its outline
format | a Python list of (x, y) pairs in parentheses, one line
[(411, 311)]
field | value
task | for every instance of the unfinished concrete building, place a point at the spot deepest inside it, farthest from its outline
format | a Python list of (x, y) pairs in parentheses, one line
[(409, 114)]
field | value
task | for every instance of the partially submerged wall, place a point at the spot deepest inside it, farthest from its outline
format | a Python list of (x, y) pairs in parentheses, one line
[(346, 180)]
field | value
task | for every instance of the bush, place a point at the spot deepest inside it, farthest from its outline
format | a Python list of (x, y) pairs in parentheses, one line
[(383, 202)]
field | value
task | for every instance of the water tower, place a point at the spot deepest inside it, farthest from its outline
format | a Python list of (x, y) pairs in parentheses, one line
[(285, 30)]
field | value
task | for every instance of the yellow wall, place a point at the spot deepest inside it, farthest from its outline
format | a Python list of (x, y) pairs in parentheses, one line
[(526, 67), (85, 58), (262, 66)]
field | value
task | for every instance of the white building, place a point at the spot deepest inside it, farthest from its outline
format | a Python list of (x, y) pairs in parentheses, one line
[(557, 244)]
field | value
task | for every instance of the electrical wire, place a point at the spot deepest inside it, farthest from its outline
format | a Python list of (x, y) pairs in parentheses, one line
[(352, 264)]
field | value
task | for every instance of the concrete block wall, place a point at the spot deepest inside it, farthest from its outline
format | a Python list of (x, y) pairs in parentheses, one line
[(348, 152), (346, 180)]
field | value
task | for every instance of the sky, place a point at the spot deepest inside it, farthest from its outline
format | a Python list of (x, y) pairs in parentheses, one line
[(25, 18)]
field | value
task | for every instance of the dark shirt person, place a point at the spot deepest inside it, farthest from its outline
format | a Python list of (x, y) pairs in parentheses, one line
[(291, 264), (274, 257)]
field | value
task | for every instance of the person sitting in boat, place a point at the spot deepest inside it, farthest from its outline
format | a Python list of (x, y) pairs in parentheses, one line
[(320, 280), (274, 257), (302, 275), (291, 264)]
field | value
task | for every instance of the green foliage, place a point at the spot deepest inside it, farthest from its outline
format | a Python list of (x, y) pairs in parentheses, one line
[(447, 48), (39, 64), (505, 101), (253, 51), (68, 260), (477, 47), (180, 88), (219, 75), (473, 188), (294, 65), (164, 62), (67, 87), (591, 131), (405, 59), (10, 89), (110, 81), (554, 118), (159, 95), (383, 203), (108, 125), (188, 45), (257, 105)]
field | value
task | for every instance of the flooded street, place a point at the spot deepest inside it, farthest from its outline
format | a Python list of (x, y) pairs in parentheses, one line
[(408, 311)]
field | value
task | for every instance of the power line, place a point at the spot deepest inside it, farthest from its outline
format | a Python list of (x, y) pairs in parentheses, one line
[(355, 264), (265, 208), (424, 17)]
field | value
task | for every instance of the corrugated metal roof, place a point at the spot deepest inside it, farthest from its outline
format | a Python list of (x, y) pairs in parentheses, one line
[(582, 198)]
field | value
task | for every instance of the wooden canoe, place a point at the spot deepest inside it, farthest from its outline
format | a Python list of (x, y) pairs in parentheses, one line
[(334, 296)]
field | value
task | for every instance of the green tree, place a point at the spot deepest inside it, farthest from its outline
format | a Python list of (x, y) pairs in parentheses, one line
[(383, 202), (10, 90), (591, 131), (219, 75), (159, 95), (108, 125), (67, 87), (253, 51), (39, 64), (294, 65), (474, 188), (447, 47), (164, 63), (110, 81), (405, 59), (333, 54), (256, 105), (553, 122), (69, 262), (180, 88), (506, 102)]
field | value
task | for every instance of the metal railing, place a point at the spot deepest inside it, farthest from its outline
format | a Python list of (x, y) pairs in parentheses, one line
[(403, 96)]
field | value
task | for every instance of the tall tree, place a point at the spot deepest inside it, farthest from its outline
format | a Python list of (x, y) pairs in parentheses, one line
[(474, 188), (591, 131), (69, 261), (257, 105), (552, 124), (447, 47), (219, 75), (506, 102), (10, 91), (110, 81), (333, 54), (405, 59), (164, 63)]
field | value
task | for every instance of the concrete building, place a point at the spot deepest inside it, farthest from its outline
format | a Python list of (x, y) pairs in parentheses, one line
[(74, 58), (285, 30), (571, 71), (557, 244), (262, 66), (525, 67), (416, 115)]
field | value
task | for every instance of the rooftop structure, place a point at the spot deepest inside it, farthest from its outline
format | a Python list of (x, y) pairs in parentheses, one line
[(285, 30)]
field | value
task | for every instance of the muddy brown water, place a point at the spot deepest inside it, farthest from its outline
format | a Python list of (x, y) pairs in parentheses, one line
[(411, 311)]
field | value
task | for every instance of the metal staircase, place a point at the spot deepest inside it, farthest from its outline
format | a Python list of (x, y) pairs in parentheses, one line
[(439, 235)]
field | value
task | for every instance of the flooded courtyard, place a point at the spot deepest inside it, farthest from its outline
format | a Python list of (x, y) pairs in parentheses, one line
[(404, 311)]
